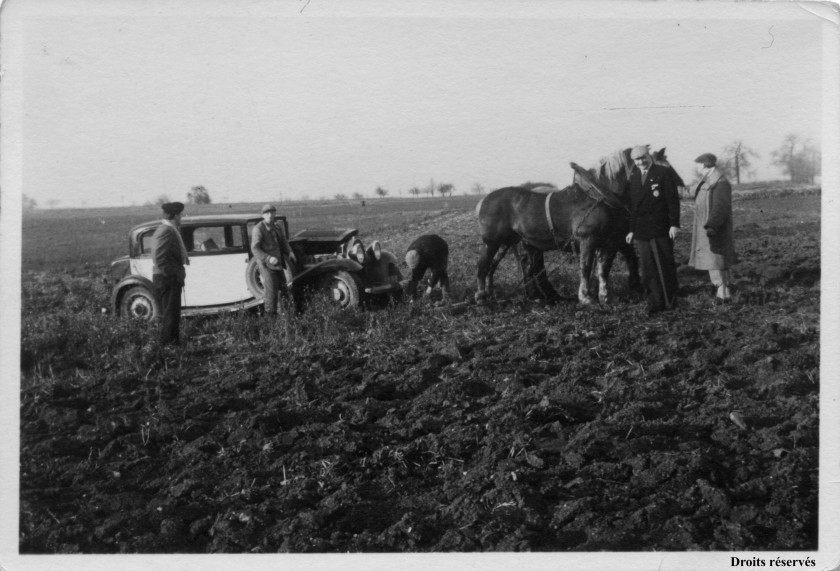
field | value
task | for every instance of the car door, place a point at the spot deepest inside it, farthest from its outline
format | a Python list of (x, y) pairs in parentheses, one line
[(216, 272)]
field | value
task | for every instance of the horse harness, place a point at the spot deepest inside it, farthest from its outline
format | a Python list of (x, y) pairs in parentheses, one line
[(602, 196), (553, 230)]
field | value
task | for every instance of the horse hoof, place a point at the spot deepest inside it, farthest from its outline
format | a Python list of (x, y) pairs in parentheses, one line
[(480, 298)]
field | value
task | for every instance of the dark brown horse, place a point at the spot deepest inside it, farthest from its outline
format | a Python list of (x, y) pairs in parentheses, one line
[(592, 212)]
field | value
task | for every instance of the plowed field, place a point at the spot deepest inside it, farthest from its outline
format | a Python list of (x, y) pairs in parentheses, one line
[(510, 427)]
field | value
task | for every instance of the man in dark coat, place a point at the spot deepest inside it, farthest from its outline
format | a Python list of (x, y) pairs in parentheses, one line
[(169, 256), (273, 254), (428, 252), (654, 224)]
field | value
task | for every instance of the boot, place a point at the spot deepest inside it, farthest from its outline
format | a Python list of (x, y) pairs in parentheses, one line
[(722, 296)]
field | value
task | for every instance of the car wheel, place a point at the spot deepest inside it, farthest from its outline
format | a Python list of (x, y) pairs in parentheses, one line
[(253, 279), (343, 288), (139, 303)]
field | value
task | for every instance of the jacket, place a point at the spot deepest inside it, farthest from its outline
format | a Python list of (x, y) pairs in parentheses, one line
[(168, 257), (712, 211), (654, 203), (269, 241)]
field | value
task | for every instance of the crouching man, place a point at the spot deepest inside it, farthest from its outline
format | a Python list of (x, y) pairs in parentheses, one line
[(428, 252)]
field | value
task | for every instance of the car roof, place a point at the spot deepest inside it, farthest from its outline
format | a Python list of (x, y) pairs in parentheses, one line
[(205, 219)]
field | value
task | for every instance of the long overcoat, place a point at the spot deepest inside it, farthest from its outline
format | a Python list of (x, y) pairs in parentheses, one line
[(712, 210), (168, 255)]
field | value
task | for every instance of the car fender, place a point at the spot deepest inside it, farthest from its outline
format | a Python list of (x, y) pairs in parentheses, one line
[(126, 283), (388, 258), (325, 267)]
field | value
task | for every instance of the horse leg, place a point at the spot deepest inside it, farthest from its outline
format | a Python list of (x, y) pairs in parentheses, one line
[(628, 252), (485, 270), (606, 256), (526, 264), (494, 264), (544, 284), (587, 257), (537, 285)]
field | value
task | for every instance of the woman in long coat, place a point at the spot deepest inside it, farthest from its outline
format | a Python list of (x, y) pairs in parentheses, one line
[(712, 242)]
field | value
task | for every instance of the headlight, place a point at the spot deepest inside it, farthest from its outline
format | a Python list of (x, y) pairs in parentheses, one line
[(359, 253), (375, 250)]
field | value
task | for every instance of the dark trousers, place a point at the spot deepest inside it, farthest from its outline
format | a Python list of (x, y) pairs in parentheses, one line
[(439, 277), (661, 249), (274, 282), (168, 291)]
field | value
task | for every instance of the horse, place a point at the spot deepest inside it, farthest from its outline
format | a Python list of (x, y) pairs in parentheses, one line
[(591, 212)]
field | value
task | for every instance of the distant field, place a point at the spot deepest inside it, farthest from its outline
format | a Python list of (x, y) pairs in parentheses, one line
[(65, 238), (72, 238)]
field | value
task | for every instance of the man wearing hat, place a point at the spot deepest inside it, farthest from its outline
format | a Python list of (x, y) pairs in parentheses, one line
[(712, 242), (654, 224), (169, 256), (272, 251)]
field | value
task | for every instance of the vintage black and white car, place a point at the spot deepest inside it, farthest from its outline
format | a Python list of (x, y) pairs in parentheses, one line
[(223, 274)]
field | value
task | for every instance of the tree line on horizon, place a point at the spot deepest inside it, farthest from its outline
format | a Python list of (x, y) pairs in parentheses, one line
[(799, 159)]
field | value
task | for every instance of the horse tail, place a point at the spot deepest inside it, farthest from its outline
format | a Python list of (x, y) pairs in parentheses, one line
[(478, 206)]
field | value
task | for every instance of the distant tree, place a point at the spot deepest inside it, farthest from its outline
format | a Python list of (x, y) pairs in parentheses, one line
[(531, 185), (800, 160), (52, 203), (477, 189), (162, 199), (414, 191), (381, 192), (737, 159), (445, 189), (29, 203), (358, 196), (340, 196), (198, 195), (430, 190), (813, 158)]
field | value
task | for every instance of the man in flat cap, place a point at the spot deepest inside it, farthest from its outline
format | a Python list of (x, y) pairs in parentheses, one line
[(169, 256), (654, 224), (712, 242), (273, 254)]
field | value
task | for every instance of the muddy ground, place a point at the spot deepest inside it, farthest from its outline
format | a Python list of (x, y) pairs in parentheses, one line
[(510, 427)]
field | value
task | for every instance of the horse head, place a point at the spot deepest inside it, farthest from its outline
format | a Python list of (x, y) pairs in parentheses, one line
[(614, 170)]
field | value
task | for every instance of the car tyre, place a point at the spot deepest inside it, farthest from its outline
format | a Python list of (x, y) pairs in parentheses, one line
[(343, 288), (254, 280), (139, 303)]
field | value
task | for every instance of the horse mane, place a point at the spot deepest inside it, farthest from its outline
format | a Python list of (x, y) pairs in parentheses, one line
[(613, 164)]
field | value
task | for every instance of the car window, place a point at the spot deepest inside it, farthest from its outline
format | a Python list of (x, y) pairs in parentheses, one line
[(147, 241), (213, 239)]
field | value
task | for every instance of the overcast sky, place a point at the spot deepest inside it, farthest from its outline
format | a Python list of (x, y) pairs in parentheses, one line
[(127, 100)]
